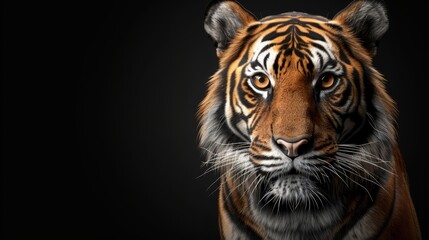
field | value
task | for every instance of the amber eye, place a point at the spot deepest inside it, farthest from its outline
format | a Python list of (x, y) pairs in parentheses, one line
[(260, 81), (327, 81)]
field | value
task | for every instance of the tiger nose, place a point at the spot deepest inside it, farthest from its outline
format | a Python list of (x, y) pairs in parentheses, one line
[(292, 148)]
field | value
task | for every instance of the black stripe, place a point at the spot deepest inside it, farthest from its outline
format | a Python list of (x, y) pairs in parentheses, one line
[(346, 94), (298, 53), (356, 80), (332, 120), (314, 25), (255, 64), (231, 89), (255, 122), (311, 34), (334, 26), (343, 56), (300, 64), (276, 64), (271, 25), (252, 28), (345, 47), (272, 35), (316, 45), (283, 62), (323, 144), (251, 113), (264, 157), (265, 60), (344, 68), (292, 21), (235, 119), (260, 146), (310, 67), (245, 58), (234, 215), (330, 63), (242, 95), (246, 44), (322, 63), (296, 21)]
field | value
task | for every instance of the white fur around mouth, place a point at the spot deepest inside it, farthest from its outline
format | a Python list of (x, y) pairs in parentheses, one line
[(292, 188)]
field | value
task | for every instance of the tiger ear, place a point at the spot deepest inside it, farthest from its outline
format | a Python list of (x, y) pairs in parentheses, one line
[(368, 20), (222, 21)]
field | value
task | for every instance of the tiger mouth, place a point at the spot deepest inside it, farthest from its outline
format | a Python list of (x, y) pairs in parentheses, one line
[(292, 192)]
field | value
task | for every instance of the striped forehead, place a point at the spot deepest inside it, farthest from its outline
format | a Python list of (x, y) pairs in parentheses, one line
[(301, 42)]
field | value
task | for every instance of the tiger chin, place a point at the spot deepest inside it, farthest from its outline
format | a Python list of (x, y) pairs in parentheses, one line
[(301, 129)]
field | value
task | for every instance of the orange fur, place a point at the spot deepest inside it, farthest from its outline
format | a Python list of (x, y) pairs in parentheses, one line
[(239, 125)]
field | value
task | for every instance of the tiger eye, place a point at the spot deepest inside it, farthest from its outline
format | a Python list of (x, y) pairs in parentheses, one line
[(327, 81), (261, 81)]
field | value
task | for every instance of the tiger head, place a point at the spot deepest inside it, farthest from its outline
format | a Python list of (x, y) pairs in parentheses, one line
[(297, 120)]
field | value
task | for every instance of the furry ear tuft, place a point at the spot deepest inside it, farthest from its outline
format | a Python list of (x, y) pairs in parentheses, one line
[(368, 20), (222, 21)]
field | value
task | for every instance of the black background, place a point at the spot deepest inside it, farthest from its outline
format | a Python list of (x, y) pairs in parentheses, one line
[(99, 135)]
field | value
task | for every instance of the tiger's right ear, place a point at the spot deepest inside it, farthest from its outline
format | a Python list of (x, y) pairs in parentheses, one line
[(222, 21)]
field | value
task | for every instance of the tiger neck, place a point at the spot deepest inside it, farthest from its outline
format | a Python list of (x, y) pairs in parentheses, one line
[(346, 219), (373, 221)]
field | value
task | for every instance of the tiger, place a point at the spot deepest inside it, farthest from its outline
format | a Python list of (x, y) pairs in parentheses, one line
[(301, 129)]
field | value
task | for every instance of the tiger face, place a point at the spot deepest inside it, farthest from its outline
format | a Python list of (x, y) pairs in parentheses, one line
[(296, 119), (295, 99)]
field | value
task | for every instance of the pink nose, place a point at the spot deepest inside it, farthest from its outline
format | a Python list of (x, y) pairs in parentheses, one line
[(291, 149)]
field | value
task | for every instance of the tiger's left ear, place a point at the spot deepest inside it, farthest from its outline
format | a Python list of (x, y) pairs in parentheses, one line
[(223, 19), (368, 20)]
